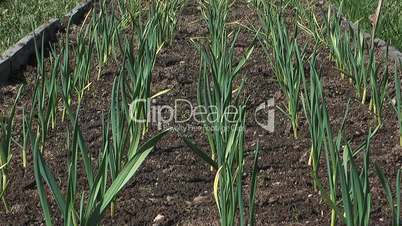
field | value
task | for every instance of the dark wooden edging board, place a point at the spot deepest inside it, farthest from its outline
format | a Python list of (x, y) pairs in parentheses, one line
[(77, 14), (16, 57)]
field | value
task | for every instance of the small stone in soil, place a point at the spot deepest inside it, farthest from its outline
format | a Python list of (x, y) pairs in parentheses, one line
[(272, 200), (169, 198), (159, 218), (199, 199)]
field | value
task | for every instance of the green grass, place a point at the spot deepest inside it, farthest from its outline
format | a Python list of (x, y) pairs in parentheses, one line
[(389, 29), (17, 17)]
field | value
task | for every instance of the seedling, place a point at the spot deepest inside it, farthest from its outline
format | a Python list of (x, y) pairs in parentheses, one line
[(287, 61), (355, 186), (313, 107), (6, 130), (394, 201)]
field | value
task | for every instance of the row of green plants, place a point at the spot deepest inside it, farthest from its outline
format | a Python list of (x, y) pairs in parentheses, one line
[(64, 84), (359, 65), (6, 129), (347, 186), (351, 50), (354, 54), (61, 83), (287, 59), (120, 158), (363, 12), (220, 92), (348, 193)]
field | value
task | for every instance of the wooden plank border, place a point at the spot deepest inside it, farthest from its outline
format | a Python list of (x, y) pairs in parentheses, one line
[(23, 52)]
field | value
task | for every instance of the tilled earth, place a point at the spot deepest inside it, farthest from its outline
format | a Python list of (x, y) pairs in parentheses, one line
[(174, 185)]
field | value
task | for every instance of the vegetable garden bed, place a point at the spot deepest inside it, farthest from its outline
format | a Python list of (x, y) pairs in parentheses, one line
[(174, 186)]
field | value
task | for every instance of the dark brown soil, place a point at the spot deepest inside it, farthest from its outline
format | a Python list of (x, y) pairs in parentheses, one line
[(174, 182)]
